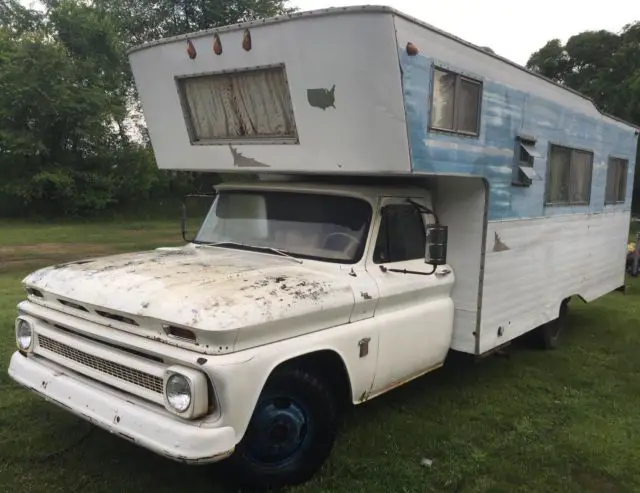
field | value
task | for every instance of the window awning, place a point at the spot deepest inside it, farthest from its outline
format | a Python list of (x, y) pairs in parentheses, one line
[(529, 172), (531, 150)]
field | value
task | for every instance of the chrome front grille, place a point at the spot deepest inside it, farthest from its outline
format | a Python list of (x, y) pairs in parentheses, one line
[(116, 370)]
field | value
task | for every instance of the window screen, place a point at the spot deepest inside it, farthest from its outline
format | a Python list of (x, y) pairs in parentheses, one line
[(569, 176), (238, 106), (401, 236), (616, 181), (455, 103)]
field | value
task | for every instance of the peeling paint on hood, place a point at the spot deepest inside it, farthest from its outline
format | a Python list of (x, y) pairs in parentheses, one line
[(263, 298)]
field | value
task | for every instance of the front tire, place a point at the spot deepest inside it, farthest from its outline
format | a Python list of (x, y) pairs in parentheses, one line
[(291, 432)]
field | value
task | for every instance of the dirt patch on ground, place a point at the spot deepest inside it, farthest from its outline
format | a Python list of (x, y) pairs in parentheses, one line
[(597, 481)]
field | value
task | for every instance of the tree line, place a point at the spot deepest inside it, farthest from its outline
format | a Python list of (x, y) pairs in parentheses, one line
[(71, 142)]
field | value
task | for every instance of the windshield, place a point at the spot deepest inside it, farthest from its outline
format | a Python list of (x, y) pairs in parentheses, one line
[(313, 226)]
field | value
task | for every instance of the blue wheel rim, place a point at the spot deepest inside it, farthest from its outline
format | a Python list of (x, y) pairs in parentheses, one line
[(279, 429)]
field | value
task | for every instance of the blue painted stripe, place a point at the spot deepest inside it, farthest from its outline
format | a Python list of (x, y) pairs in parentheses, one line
[(506, 111)]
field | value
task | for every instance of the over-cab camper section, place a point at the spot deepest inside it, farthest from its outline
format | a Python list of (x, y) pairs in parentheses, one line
[(307, 94), (533, 181)]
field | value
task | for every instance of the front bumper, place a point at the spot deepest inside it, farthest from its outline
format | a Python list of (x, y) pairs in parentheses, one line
[(161, 433)]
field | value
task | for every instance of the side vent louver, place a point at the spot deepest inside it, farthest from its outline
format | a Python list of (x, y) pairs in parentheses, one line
[(72, 305)]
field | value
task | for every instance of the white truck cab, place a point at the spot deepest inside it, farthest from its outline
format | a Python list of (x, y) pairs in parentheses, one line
[(408, 195), (290, 302)]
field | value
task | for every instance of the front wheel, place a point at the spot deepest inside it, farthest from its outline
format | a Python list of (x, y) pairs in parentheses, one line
[(291, 432)]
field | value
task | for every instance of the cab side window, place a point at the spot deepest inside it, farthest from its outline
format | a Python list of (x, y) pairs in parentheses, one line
[(401, 236)]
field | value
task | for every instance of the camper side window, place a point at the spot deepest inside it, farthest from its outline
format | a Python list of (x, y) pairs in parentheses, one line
[(616, 181), (568, 176), (455, 103), (401, 236)]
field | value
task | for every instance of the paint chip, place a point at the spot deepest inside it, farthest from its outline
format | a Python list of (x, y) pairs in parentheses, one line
[(240, 161), (499, 245), (322, 98)]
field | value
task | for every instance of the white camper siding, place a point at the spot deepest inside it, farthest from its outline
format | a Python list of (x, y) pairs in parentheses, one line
[(461, 204), (532, 265), (364, 133)]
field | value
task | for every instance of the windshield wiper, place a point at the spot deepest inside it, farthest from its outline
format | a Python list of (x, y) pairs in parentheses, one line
[(281, 252), (277, 251)]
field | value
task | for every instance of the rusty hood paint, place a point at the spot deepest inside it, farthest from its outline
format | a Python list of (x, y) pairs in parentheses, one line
[(244, 298)]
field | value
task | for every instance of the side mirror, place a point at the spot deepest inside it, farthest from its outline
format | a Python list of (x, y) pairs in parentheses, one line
[(436, 246), (195, 213)]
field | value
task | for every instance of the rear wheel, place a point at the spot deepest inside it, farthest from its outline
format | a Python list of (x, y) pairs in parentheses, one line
[(548, 335), (291, 432)]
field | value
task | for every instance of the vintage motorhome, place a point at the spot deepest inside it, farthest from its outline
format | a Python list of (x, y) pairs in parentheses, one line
[(414, 194)]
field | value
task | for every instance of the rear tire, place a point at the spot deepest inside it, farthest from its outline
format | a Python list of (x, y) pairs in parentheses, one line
[(291, 432), (548, 335)]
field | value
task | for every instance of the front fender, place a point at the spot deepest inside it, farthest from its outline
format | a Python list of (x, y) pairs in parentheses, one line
[(239, 383)]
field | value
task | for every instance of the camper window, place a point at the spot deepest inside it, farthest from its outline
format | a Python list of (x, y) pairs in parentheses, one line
[(455, 103), (238, 107), (401, 236), (616, 181), (569, 176)]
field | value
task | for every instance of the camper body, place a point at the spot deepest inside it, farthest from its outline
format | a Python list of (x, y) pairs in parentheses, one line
[(326, 279)]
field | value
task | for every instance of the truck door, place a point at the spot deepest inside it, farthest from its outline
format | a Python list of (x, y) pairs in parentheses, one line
[(414, 314)]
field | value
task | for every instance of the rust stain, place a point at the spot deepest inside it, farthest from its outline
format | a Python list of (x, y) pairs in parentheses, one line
[(240, 161), (368, 395)]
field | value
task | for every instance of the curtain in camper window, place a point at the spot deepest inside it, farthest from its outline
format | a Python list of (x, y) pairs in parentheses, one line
[(240, 105), (581, 177), (442, 108), (559, 172), (469, 104)]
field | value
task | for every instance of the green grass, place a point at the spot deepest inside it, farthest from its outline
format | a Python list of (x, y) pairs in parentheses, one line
[(560, 421)]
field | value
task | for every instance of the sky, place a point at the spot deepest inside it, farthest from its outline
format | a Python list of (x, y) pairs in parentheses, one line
[(511, 28)]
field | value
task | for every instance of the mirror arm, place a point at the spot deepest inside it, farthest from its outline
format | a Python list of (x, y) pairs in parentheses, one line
[(424, 210), (183, 224)]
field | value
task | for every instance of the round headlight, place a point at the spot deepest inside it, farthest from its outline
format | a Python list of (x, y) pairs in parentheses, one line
[(24, 334), (178, 392)]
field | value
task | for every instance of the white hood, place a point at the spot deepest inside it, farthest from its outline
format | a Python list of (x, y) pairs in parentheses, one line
[(247, 298)]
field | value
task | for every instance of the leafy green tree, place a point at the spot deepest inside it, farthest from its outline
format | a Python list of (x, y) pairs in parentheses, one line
[(602, 65), (147, 20), (68, 103)]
